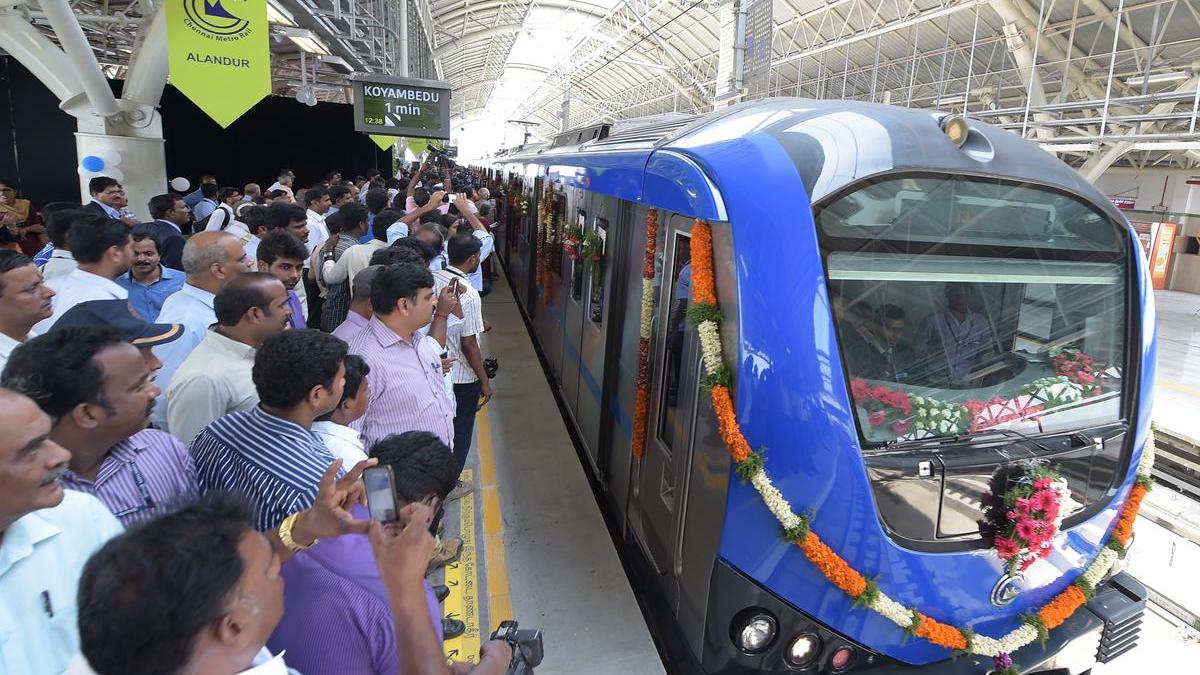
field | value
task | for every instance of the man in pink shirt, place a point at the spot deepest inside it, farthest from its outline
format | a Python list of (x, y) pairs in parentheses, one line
[(360, 305)]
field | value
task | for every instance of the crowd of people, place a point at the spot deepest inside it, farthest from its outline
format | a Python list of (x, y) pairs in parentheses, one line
[(187, 407)]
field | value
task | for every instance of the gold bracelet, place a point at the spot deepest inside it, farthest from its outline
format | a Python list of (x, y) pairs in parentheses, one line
[(285, 534)]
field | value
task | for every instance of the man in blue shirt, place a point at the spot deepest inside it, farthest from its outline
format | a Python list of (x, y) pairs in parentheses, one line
[(148, 281), (193, 198), (207, 204)]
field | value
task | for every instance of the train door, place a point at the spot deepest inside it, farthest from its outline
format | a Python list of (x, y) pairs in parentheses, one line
[(604, 230), (657, 507), (571, 294), (546, 317), (676, 510)]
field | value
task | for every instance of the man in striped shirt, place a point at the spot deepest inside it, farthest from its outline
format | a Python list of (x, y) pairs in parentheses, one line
[(269, 454), (97, 388)]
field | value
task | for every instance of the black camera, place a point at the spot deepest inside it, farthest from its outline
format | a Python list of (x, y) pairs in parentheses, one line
[(490, 366), (526, 646)]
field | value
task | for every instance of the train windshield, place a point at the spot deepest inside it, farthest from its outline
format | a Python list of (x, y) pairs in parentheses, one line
[(968, 305)]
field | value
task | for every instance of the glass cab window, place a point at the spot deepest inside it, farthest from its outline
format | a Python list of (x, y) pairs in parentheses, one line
[(969, 305)]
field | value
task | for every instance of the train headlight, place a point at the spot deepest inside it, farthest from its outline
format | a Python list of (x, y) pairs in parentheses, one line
[(803, 650), (756, 632), (955, 128)]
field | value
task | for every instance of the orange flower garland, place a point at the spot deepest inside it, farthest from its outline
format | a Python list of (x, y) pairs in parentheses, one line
[(1124, 529), (641, 406), (703, 290), (939, 633), (832, 566), (797, 528), (731, 433), (1062, 607)]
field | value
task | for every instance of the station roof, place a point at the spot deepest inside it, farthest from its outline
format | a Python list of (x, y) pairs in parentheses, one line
[(1104, 68)]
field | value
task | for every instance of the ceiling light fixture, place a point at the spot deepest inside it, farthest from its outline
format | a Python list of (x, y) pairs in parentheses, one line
[(279, 16), (1167, 145), (1157, 78), (305, 40), (1069, 147)]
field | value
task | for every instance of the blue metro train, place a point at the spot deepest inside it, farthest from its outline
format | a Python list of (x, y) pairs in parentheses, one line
[(918, 308)]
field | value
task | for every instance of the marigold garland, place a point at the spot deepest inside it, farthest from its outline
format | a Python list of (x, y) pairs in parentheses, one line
[(641, 406), (838, 571), (863, 591), (1062, 607)]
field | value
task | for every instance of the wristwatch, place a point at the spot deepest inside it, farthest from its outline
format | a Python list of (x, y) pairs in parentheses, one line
[(285, 534)]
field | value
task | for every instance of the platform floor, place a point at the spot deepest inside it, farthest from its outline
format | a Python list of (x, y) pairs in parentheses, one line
[(1177, 389), (536, 547)]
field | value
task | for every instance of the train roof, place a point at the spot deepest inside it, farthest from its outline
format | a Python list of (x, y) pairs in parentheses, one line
[(677, 162)]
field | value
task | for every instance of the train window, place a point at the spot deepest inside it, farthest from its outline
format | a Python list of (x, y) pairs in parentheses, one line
[(675, 410), (978, 307), (945, 210)]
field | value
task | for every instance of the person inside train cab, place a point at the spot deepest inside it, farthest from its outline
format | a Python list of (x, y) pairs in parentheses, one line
[(878, 351), (955, 338)]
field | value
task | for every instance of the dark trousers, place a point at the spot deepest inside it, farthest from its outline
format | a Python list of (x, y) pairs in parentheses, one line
[(466, 400), (315, 301)]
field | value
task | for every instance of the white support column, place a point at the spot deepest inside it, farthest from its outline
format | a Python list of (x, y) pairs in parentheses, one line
[(131, 126), (79, 54), (41, 57)]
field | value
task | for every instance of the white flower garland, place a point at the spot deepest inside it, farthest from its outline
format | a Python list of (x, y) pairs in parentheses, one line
[(647, 308), (777, 504), (710, 345)]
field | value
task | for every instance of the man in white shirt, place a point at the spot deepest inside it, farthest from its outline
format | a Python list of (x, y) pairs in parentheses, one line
[(357, 258), (46, 536), (61, 262), (334, 427), (210, 260), (215, 379), (223, 216), (316, 204), (472, 389), (24, 301), (104, 250), (487, 243)]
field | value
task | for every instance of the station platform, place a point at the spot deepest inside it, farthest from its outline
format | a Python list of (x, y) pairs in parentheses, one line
[(1177, 389), (536, 548)]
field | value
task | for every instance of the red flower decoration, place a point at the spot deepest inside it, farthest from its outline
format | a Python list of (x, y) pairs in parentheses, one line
[(877, 418)]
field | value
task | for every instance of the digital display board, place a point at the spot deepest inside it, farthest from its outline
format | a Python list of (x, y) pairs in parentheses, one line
[(401, 106)]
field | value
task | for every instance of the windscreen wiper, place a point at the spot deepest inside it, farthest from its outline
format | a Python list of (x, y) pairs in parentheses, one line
[(1025, 437)]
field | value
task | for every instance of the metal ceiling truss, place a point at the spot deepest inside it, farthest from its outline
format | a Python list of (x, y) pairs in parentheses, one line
[(1091, 75), (1098, 70)]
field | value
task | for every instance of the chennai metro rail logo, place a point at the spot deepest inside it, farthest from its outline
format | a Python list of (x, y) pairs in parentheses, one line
[(211, 19)]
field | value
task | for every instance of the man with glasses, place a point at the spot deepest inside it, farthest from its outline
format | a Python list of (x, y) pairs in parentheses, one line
[(108, 199), (98, 390)]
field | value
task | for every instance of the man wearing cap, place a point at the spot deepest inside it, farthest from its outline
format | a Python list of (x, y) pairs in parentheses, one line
[(122, 316), (99, 391), (215, 378)]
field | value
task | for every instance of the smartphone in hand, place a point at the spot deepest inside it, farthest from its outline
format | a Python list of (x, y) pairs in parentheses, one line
[(381, 493)]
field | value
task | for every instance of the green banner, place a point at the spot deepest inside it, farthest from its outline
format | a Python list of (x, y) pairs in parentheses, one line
[(218, 54), (384, 142)]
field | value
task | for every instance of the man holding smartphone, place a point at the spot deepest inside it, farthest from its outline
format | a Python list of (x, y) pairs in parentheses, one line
[(342, 580), (472, 388)]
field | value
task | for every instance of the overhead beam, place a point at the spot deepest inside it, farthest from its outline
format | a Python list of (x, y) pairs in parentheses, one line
[(1097, 164)]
